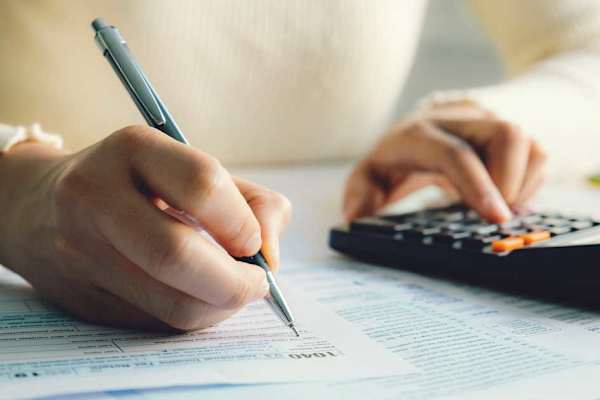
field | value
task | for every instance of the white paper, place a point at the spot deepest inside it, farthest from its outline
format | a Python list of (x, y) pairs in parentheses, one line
[(468, 343), (45, 352)]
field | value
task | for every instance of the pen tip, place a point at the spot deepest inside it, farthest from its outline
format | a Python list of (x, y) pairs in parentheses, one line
[(293, 328)]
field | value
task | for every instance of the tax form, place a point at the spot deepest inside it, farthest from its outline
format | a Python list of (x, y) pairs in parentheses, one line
[(466, 342), (45, 352)]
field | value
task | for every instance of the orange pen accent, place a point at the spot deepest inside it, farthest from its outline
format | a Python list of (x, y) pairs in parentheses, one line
[(506, 244), (533, 237)]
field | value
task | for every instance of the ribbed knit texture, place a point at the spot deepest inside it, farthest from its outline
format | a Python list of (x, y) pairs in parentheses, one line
[(267, 81), (248, 81)]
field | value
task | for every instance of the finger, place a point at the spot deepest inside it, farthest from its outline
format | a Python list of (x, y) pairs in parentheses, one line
[(420, 180), (273, 212), (176, 255), (477, 130), (172, 307), (194, 182), (534, 176), (506, 149), (363, 194), (462, 166), (528, 193), (145, 298), (507, 155), (427, 148), (457, 111)]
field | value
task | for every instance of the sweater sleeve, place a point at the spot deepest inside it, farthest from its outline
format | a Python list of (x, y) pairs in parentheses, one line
[(551, 50), (13, 135)]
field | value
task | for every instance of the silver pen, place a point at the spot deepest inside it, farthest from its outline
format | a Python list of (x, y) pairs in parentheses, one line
[(114, 48)]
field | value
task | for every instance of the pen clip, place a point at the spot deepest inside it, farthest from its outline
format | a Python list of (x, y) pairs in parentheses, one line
[(114, 48)]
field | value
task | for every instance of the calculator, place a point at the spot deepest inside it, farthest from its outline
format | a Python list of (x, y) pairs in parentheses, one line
[(535, 252)]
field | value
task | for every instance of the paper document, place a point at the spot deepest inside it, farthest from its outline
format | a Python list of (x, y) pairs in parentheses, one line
[(44, 351), (467, 342)]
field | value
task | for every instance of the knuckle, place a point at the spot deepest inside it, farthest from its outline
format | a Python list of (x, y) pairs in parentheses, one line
[(458, 152), (205, 176), (245, 230), (415, 129), (538, 152), (130, 137), (165, 256), (509, 133), (133, 134), (282, 203)]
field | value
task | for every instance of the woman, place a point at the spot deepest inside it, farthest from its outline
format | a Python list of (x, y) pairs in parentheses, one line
[(252, 82)]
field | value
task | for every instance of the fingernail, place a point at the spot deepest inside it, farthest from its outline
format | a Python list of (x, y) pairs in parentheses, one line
[(271, 252), (498, 205), (253, 244)]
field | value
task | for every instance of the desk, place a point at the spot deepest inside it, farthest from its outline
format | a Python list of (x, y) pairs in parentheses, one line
[(316, 193)]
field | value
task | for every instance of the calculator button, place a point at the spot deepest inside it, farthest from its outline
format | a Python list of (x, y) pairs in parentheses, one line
[(513, 232), (579, 225), (536, 227), (377, 225), (479, 242), (420, 233), (452, 226), (450, 237), (531, 219), (483, 229), (394, 218), (507, 244), (534, 237), (561, 230), (452, 216), (513, 223), (555, 222)]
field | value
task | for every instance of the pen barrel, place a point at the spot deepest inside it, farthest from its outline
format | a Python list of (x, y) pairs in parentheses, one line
[(275, 299), (115, 50)]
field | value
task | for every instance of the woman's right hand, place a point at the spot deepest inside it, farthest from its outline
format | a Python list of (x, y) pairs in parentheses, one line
[(86, 230)]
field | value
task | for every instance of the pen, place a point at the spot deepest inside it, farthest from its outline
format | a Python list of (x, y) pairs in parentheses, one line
[(114, 48)]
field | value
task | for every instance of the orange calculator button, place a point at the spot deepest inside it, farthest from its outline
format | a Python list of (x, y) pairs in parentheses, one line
[(506, 244), (533, 237)]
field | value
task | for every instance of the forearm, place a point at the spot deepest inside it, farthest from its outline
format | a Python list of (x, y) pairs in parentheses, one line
[(25, 174)]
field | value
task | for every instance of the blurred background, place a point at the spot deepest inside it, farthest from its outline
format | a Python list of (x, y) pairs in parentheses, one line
[(454, 52)]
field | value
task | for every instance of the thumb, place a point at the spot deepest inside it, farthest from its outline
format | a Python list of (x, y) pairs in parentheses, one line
[(273, 212)]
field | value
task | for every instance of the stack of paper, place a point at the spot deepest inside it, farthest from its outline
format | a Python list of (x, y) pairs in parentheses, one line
[(43, 351), (464, 342)]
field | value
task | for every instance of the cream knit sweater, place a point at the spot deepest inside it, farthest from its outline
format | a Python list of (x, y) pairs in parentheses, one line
[(290, 80)]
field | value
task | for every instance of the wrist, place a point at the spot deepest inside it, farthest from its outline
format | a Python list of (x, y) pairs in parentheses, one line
[(27, 173)]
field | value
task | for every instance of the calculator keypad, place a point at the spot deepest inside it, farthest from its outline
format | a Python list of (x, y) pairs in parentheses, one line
[(460, 227)]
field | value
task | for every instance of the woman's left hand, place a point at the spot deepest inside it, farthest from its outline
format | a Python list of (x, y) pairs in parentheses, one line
[(461, 147)]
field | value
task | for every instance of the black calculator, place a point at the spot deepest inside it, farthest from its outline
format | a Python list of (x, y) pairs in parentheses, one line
[(535, 252)]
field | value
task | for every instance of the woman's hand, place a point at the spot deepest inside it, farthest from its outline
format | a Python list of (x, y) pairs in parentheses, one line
[(460, 147), (87, 230)]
